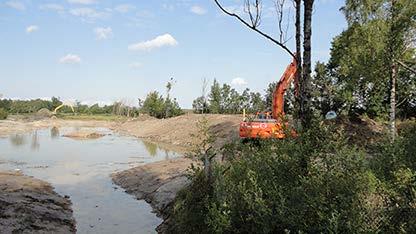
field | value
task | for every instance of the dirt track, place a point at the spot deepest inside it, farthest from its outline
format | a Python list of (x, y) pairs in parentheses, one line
[(29, 205)]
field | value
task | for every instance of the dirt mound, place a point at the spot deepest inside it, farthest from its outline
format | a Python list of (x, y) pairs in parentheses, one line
[(29, 205), (84, 135), (362, 131), (45, 113), (178, 131)]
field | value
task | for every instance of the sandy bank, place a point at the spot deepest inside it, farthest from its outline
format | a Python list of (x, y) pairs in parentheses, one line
[(29, 205), (178, 131)]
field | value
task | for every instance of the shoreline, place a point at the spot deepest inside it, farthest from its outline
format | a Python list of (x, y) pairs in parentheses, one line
[(156, 183)]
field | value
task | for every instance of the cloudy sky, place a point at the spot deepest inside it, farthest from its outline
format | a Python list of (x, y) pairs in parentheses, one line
[(102, 51)]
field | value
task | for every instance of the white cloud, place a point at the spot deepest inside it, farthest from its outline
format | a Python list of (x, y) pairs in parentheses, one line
[(239, 81), (84, 2), (124, 8), (70, 59), (135, 65), (16, 5), (159, 41), (52, 7), (103, 33), (32, 28), (88, 13), (198, 10)]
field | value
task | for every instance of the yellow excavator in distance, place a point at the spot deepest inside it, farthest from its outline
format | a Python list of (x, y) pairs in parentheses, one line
[(62, 105)]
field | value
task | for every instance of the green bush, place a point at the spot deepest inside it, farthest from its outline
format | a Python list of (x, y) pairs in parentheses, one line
[(157, 106), (314, 183), (395, 166), (3, 113)]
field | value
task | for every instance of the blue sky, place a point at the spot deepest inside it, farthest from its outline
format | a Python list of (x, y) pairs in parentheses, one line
[(103, 51)]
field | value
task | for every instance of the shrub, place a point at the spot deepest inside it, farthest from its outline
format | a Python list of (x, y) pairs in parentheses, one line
[(395, 165), (157, 106), (314, 183), (3, 113)]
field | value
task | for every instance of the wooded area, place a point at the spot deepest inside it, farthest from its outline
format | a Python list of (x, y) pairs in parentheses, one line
[(349, 175)]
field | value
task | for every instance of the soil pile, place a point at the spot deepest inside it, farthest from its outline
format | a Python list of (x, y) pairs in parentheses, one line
[(182, 131), (29, 205), (45, 113)]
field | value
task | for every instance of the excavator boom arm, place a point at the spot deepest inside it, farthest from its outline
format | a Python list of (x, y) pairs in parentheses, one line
[(279, 92)]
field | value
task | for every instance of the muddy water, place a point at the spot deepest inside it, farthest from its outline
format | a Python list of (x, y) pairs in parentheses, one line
[(81, 169)]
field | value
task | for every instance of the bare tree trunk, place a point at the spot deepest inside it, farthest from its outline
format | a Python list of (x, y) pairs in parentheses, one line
[(393, 79), (304, 83), (393, 50), (298, 39)]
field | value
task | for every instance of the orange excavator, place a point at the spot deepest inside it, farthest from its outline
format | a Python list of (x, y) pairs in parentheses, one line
[(271, 125)]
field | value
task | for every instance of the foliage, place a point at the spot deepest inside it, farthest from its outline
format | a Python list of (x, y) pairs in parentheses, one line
[(362, 56), (395, 165), (314, 183), (157, 106), (323, 91), (3, 114), (34, 105), (222, 99)]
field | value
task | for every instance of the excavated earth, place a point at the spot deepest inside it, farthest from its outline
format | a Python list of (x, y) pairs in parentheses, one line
[(157, 183), (29, 205)]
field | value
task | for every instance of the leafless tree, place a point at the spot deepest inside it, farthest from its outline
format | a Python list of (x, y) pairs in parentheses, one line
[(204, 93), (254, 10)]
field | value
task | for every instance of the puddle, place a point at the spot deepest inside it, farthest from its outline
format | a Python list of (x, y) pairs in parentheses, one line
[(81, 169)]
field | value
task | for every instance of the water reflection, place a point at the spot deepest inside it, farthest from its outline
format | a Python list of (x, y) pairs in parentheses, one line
[(150, 147), (54, 132), (153, 149), (35, 141), (17, 140), (81, 170)]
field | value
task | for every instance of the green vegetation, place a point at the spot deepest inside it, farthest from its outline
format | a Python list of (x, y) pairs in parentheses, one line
[(321, 181), (358, 76), (3, 113), (223, 99), (314, 183), (157, 106), (33, 106)]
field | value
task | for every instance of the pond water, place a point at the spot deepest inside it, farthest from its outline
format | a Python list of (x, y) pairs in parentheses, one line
[(81, 169)]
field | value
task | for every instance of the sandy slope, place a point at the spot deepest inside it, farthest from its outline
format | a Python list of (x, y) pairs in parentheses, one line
[(178, 131)]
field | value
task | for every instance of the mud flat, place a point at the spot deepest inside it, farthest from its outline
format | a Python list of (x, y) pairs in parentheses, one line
[(29, 205), (156, 183)]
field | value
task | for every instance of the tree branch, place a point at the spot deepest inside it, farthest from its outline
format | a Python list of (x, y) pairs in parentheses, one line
[(405, 66), (254, 28)]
